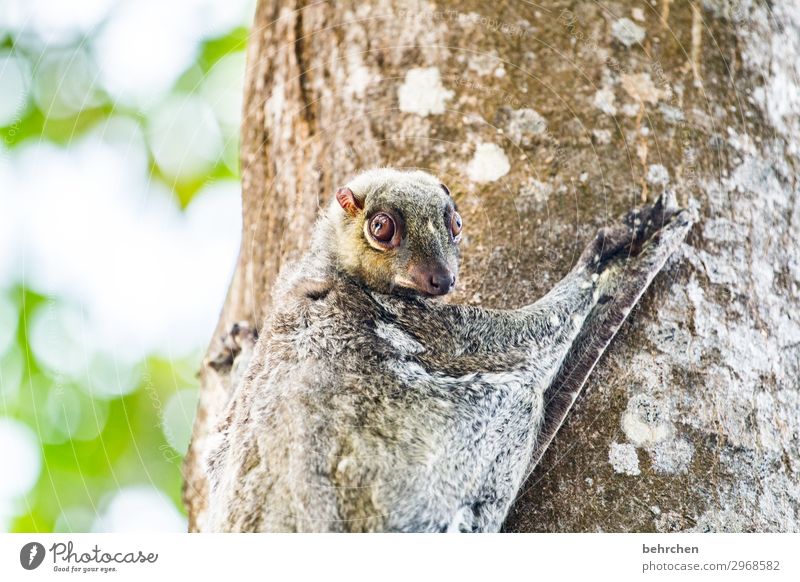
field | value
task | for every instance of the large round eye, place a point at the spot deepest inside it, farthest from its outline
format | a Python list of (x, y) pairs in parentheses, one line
[(456, 225), (382, 227)]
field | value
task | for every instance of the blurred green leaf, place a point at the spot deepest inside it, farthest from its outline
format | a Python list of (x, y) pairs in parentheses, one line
[(94, 446)]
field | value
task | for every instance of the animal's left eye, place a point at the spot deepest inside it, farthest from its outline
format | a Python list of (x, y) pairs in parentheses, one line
[(382, 227), (456, 225)]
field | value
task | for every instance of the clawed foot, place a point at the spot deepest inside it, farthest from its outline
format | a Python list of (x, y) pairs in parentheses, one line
[(240, 338), (636, 230)]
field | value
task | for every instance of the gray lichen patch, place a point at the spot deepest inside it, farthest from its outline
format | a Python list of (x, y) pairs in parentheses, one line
[(670, 522), (726, 520), (672, 115), (645, 421), (627, 32), (533, 194), (672, 457), (422, 92), (601, 136), (488, 163), (604, 100), (484, 64), (623, 459), (522, 126), (640, 87), (657, 175)]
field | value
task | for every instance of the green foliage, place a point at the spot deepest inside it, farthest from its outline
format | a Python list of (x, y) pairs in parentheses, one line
[(127, 446), (92, 444)]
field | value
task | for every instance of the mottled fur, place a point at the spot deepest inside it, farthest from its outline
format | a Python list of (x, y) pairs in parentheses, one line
[(364, 409)]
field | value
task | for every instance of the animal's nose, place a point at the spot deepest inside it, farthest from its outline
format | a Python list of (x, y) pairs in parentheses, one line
[(441, 282), (433, 280)]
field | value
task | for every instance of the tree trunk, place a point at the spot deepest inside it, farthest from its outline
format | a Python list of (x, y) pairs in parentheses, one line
[(546, 121)]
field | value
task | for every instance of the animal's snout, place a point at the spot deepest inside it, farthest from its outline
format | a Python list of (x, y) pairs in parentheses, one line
[(438, 280)]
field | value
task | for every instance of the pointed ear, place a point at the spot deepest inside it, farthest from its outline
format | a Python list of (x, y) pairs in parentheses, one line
[(348, 201), (446, 190)]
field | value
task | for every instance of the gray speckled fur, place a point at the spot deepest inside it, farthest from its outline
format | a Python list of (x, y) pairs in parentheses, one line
[(363, 410)]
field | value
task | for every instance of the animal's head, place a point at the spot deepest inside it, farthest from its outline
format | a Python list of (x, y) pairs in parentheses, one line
[(397, 231)]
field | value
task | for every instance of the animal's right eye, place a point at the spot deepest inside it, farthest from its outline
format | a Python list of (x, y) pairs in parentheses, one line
[(382, 228), (455, 226)]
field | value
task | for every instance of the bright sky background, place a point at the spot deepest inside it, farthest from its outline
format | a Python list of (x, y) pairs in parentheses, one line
[(95, 222)]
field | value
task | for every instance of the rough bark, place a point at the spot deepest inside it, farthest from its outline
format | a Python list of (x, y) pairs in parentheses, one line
[(692, 419)]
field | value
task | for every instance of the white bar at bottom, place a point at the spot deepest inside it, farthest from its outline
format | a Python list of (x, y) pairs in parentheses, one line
[(329, 557)]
